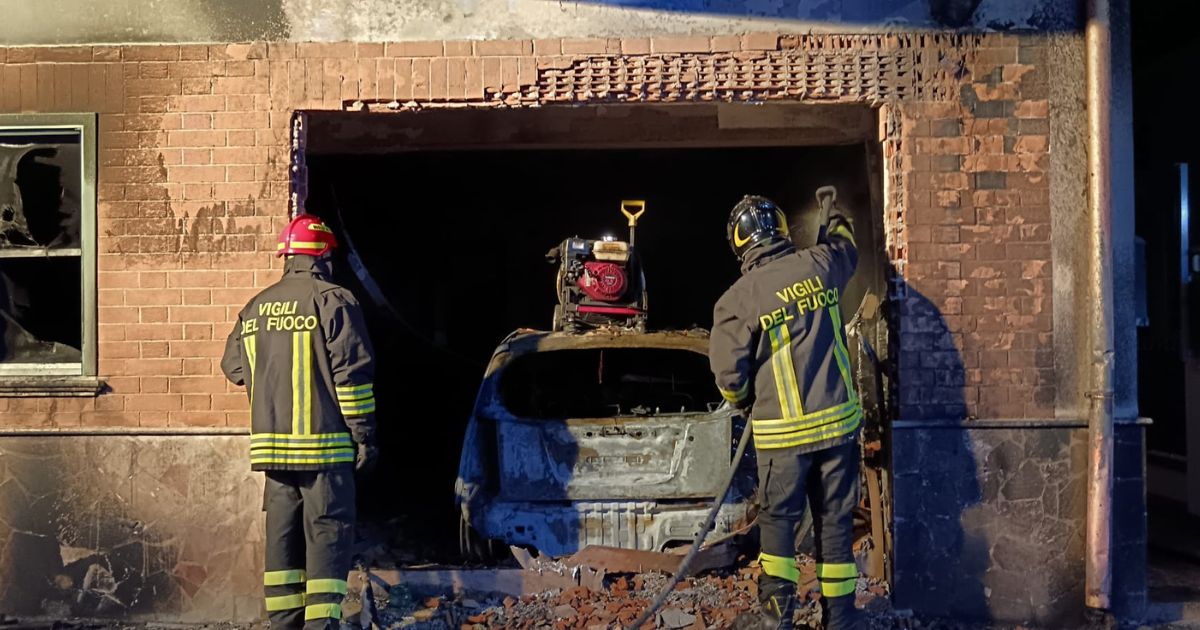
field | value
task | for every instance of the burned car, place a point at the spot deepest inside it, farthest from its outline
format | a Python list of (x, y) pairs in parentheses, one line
[(610, 437)]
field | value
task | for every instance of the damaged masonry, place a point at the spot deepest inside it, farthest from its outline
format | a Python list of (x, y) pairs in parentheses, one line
[(550, 437)]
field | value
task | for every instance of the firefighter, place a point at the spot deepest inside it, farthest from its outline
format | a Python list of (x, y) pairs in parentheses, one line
[(301, 349), (778, 352)]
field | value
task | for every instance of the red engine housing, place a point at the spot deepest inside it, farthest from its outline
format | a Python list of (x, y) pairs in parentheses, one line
[(603, 281)]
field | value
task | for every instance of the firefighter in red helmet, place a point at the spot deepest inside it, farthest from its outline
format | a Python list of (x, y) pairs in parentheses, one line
[(301, 349)]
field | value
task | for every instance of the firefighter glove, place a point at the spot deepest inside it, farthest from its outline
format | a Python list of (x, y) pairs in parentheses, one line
[(364, 460)]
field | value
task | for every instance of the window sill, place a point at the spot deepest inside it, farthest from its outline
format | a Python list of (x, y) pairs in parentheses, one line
[(50, 386)]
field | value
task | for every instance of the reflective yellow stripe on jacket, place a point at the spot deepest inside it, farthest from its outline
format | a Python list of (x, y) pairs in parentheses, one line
[(316, 448), (356, 400)]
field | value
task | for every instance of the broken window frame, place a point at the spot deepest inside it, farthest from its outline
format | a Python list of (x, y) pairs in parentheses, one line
[(63, 378)]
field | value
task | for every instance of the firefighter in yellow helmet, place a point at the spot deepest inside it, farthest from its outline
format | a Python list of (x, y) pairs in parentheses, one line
[(301, 349), (778, 351)]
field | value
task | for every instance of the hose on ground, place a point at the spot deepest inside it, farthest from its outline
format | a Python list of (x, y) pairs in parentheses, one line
[(658, 602)]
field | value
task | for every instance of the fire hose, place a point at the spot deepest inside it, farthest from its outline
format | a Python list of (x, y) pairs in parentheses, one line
[(698, 541)]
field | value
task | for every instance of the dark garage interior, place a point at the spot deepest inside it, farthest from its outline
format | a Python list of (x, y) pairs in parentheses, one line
[(455, 236)]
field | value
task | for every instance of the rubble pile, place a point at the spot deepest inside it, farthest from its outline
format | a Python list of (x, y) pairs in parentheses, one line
[(707, 601)]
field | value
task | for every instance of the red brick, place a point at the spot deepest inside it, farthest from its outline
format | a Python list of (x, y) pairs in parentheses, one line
[(117, 314), (197, 138), (238, 190), (196, 173), (421, 78), (112, 349), (1032, 144), (191, 349), (241, 120), (944, 146), (196, 314), (112, 402), (996, 56), (365, 50), (100, 53), (637, 46), (414, 49), (197, 297), (229, 402), (238, 52), (1028, 251), (62, 53), (153, 297), (153, 349), (157, 383), (153, 332), (198, 385), (240, 85), (152, 70), (509, 71), (593, 46), (150, 52), (197, 121), (439, 88), (23, 54), (197, 402), (198, 367), (760, 41), (728, 43), (241, 138), (322, 50), (473, 79), (512, 48), (197, 418), (456, 79), (238, 419), (679, 44), (491, 74), (545, 47), (1033, 109), (196, 103), (197, 332)]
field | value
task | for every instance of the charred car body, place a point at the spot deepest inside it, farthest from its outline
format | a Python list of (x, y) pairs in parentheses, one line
[(599, 432)]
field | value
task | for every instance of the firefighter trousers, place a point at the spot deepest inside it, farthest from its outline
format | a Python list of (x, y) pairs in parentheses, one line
[(310, 538), (827, 480)]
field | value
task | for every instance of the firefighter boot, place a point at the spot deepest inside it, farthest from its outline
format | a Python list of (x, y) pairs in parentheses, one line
[(777, 601), (840, 613)]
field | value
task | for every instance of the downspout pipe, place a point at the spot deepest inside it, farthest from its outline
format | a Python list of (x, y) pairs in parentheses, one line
[(1098, 578)]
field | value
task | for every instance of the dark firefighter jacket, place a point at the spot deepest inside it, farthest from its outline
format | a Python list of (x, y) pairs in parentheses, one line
[(301, 349), (778, 342)]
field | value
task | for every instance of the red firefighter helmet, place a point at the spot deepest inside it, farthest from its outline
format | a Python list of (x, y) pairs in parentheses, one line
[(307, 235)]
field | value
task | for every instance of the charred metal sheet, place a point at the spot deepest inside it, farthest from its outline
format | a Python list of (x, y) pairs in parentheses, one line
[(526, 341), (660, 457), (562, 529)]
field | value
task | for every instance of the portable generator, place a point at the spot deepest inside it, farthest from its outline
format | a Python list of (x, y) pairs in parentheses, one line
[(600, 282)]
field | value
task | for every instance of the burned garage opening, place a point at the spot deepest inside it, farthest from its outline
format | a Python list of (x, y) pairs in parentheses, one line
[(446, 217)]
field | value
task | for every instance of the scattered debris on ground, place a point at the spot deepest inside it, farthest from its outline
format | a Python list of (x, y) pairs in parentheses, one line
[(588, 599)]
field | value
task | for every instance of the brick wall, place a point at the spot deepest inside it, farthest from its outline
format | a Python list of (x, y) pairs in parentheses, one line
[(977, 320), (193, 185)]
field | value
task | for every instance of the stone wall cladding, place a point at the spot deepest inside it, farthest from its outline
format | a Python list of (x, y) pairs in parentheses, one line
[(989, 523), (135, 527)]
